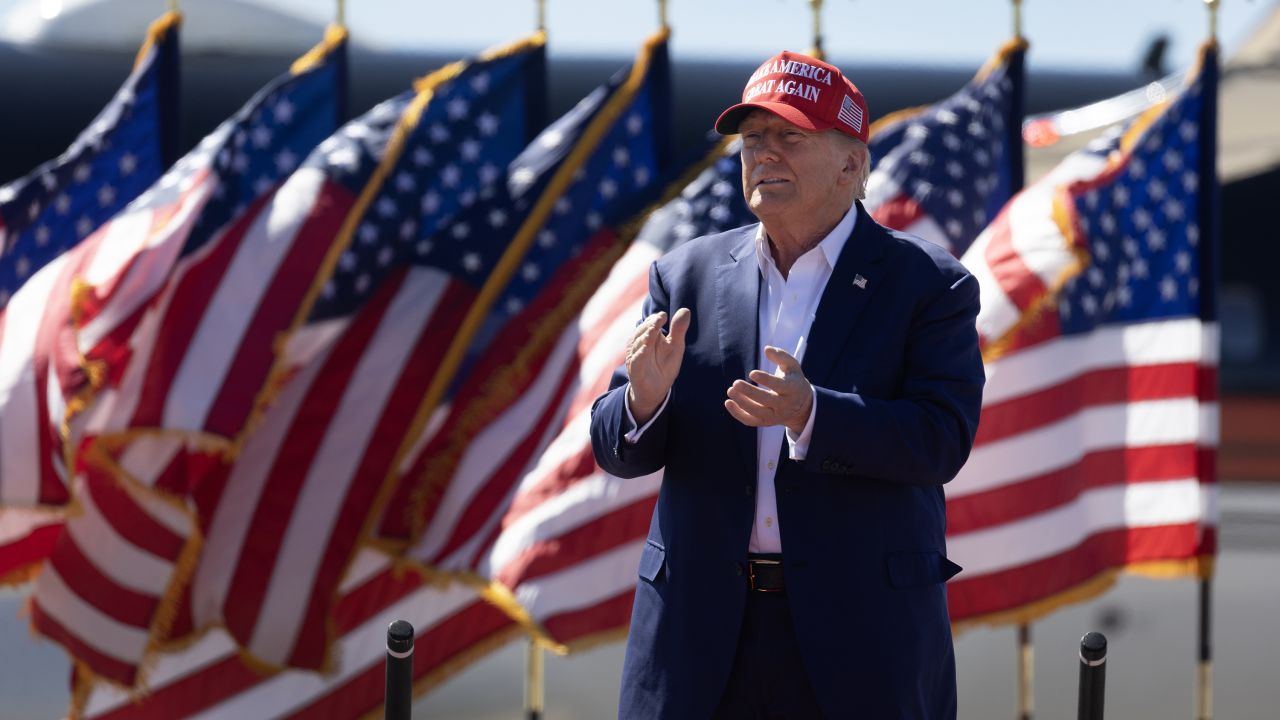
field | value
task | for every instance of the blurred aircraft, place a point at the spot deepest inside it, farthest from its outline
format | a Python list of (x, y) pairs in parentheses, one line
[(63, 59)]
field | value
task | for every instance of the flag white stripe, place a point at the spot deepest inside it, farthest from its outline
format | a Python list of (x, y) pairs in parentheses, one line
[(233, 306), (583, 502), (582, 584), (118, 240), (16, 523), (109, 637), (1064, 443), (486, 453), (634, 263), (212, 647), (323, 493), (927, 228), (1051, 363), (19, 429), (146, 457), (120, 560), (146, 262), (1139, 505), (999, 313), (461, 558), (228, 531)]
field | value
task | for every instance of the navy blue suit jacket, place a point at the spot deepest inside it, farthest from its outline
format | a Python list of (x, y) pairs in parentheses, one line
[(898, 376)]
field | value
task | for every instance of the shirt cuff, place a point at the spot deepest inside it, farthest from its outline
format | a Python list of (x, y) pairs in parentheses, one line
[(633, 436), (799, 445)]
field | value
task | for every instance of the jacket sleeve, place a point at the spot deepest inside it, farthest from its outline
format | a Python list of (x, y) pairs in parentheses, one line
[(924, 435), (609, 422)]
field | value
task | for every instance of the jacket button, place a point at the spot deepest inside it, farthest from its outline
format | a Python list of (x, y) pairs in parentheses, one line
[(738, 569), (749, 489), (826, 465)]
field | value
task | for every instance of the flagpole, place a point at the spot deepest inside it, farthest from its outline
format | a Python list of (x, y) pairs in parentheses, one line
[(1026, 652), (1204, 668), (173, 6), (817, 51), (533, 682), (662, 15), (341, 19), (1026, 673), (542, 15), (1204, 650)]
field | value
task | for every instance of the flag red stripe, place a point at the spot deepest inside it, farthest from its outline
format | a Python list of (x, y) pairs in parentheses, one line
[(1019, 586), (193, 290), (1106, 386), (1103, 468), (898, 213), (83, 577), (275, 509), (33, 547), (104, 665), (132, 522), (221, 680), (401, 406), (1014, 277), (571, 470), (601, 534), (516, 335), (256, 354), (607, 615), (488, 500), (51, 344)]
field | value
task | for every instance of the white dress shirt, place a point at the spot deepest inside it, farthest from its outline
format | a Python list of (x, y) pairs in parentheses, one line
[(786, 310)]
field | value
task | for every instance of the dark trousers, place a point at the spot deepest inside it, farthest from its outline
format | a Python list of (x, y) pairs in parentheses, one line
[(768, 680)]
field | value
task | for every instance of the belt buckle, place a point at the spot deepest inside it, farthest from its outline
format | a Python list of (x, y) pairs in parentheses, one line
[(751, 575)]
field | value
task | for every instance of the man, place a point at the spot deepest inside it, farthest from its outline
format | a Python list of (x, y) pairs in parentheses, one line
[(795, 564)]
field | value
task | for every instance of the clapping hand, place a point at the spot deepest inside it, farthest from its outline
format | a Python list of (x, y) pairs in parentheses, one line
[(782, 399), (653, 361)]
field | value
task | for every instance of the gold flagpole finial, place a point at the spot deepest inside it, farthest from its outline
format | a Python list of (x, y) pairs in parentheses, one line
[(1212, 6), (542, 15), (341, 20), (818, 52), (662, 15), (1017, 18), (173, 6)]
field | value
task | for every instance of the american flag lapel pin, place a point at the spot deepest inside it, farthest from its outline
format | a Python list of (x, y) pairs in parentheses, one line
[(860, 282)]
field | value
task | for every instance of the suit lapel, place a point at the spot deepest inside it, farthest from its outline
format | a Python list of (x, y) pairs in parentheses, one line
[(737, 313), (855, 277)]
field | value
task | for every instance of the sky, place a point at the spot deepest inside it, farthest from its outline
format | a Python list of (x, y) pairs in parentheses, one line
[(1071, 33), (1092, 34)]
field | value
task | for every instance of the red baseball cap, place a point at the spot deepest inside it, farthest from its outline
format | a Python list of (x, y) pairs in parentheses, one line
[(805, 92)]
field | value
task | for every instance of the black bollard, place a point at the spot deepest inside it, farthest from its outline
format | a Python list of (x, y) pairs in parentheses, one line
[(399, 700), (1093, 676)]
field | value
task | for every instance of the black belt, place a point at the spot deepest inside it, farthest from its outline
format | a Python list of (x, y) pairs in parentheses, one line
[(765, 575)]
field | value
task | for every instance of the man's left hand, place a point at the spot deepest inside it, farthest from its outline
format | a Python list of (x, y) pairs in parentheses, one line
[(782, 399)]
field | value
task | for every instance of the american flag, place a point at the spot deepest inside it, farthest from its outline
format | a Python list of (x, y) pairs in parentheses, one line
[(122, 152), (110, 589), (943, 172), (1099, 424), (390, 285), (208, 679), (563, 205), (620, 129), (528, 515), (42, 217)]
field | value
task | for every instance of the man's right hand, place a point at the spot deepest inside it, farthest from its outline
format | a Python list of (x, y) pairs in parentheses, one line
[(653, 361)]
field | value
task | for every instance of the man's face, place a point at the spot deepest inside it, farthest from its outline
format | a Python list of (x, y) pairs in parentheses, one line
[(789, 172)]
